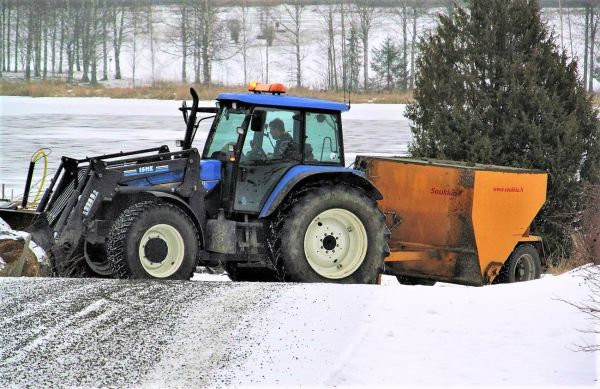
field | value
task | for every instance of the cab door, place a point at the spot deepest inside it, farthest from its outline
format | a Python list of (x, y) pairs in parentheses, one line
[(260, 168)]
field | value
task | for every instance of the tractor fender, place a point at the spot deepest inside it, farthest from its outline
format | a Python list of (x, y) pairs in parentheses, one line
[(300, 175), (170, 198)]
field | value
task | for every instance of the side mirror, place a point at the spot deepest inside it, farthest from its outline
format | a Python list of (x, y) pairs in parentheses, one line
[(258, 120)]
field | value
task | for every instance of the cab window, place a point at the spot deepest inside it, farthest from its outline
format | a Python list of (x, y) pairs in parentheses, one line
[(225, 135), (322, 138), (279, 140)]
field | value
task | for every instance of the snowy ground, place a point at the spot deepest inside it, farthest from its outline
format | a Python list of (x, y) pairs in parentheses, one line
[(156, 334)]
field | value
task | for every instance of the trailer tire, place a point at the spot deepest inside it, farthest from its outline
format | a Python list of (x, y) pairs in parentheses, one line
[(329, 218), (152, 239), (524, 264)]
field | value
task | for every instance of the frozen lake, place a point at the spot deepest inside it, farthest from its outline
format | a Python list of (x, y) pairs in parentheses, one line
[(79, 127)]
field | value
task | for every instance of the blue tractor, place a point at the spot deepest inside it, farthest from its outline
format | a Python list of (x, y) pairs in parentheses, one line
[(269, 198)]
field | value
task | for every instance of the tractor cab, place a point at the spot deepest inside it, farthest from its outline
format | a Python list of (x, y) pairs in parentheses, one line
[(260, 136)]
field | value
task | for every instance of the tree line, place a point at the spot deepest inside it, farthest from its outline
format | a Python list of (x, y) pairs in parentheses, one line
[(84, 40)]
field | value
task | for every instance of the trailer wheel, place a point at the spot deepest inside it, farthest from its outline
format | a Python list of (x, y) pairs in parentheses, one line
[(153, 240), (333, 234), (523, 265)]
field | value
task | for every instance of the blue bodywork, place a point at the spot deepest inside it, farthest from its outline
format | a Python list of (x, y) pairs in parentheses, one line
[(284, 101), (301, 171), (210, 175)]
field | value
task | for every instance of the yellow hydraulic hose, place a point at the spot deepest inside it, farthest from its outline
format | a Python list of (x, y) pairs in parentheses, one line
[(41, 153)]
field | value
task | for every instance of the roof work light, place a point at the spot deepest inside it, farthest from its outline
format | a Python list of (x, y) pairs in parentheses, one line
[(259, 87)]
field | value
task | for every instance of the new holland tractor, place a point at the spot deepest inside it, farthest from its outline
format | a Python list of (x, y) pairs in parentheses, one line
[(268, 197)]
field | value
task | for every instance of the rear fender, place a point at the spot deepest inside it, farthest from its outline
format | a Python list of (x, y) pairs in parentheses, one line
[(301, 175)]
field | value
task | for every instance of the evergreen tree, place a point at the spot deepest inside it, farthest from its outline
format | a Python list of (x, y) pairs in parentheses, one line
[(389, 65), (492, 87)]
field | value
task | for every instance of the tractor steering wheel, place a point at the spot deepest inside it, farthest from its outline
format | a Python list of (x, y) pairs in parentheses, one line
[(257, 154)]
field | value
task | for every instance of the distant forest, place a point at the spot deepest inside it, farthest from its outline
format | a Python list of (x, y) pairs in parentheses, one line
[(85, 40)]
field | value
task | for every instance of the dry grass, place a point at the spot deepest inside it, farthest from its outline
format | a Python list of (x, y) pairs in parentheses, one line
[(564, 266), (178, 91)]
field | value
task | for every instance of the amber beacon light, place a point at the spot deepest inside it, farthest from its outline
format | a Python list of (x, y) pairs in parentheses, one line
[(259, 87)]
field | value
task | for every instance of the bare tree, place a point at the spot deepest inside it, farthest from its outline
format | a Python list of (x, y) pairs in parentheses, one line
[(294, 31), (183, 12), (135, 32), (3, 29), (151, 37), (30, 33), (328, 15), (118, 22), (104, 36), (244, 38), (8, 40), (365, 13)]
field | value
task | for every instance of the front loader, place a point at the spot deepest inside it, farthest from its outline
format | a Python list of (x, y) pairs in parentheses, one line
[(269, 198)]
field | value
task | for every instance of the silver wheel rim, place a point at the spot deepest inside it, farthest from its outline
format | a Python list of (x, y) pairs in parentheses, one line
[(525, 268), (175, 251), (335, 243)]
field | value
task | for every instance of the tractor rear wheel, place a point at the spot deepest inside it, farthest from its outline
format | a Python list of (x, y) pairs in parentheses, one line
[(333, 233), (152, 239), (523, 265)]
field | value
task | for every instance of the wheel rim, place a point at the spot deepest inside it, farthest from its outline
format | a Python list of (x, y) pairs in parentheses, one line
[(335, 243), (161, 264), (525, 268)]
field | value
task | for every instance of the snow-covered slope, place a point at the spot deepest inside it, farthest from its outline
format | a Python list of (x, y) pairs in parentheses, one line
[(125, 333)]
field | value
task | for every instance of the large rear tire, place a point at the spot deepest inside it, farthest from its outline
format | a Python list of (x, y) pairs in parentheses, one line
[(333, 233), (152, 239), (523, 265)]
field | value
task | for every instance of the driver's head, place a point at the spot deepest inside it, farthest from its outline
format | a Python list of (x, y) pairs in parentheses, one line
[(277, 128)]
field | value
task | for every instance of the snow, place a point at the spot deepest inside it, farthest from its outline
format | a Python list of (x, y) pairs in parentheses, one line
[(60, 332)]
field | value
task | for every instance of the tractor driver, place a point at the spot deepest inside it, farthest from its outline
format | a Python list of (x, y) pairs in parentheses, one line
[(284, 141)]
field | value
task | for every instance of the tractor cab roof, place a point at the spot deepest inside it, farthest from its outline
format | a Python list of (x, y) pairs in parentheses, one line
[(274, 100)]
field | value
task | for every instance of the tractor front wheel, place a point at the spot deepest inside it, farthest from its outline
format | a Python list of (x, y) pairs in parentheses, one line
[(152, 239)]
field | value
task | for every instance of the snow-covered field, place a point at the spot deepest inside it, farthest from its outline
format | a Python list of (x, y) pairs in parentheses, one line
[(66, 332), (79, 127)]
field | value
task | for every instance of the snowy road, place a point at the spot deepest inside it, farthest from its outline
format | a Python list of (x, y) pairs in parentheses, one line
[(58, 332)]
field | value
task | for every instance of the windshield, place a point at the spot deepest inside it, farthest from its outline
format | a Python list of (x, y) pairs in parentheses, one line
[(225, 134), (278, 141)]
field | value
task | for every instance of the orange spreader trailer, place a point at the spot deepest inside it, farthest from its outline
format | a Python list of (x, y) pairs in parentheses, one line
[(452, 221)]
